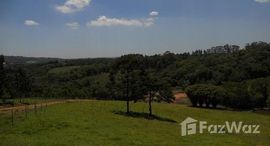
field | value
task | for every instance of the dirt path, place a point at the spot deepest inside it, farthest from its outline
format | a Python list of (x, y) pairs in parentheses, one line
[(179, 97), (38, 105)]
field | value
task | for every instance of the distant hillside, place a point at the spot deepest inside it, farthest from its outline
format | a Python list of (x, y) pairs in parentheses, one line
[(91, 77), (28, 60)]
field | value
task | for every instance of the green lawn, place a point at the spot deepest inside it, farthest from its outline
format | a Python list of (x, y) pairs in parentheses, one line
[(99, 123)]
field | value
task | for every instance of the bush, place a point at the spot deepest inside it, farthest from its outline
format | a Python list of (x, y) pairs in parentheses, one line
[(7, 101), (268, 102), (249, 94), (205, 94), (238, 96)]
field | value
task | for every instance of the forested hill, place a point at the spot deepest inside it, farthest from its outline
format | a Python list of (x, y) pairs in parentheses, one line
[(28, 60), (84, 78)]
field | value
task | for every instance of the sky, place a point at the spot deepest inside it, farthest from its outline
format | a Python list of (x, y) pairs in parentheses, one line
[(111, 28)]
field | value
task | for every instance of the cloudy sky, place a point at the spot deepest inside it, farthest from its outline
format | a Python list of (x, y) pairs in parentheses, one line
[(109, 28)]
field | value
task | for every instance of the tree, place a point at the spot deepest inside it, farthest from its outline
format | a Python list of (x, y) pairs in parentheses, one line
[(152, 87), (157, 88), (138, 82), (111, 85), (268, 102), (127, 65), (206, 94), (23, 84), (2, 76)]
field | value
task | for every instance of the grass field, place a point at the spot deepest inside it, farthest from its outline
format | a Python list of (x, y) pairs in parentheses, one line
[(102, 123)]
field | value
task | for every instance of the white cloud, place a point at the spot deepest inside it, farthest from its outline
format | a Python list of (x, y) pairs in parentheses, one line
[(105, 21), (149, 22), (262, 1), (154, 13), (31, 23), (73, 25), (71, 6)]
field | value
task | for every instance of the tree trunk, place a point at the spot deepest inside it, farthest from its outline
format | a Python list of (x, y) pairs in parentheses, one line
[(150, 105), (127, 106), (207, 102), (214, 103), (127, 90)]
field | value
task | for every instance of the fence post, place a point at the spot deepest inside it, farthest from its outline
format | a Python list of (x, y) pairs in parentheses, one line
[(41, 106), (25, 110), (35, 109), (12, 117), (46, 103)]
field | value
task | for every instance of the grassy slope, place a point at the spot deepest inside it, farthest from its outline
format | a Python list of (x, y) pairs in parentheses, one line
[(95, 123)]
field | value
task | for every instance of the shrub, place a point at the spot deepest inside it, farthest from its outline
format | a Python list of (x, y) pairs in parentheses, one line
[(268, 102), (205, 94), (247, 95)]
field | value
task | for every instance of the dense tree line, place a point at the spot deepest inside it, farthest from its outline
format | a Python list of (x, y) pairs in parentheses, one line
[(15, 83), (2, 76), (241, 95), (127, 77)]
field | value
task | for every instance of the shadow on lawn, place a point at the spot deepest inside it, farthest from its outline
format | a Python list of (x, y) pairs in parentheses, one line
[(144, 115)]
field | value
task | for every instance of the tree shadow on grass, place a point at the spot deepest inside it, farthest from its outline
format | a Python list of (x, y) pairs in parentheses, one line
[(210, 108), (144, 115)]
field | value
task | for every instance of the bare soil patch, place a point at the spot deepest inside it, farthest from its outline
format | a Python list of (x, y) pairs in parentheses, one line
[(180, 97)]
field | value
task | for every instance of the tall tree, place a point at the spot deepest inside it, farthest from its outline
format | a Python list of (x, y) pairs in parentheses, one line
[(2, 76), (127, 66), (23, 84), (111, 85), (157, 88), (152, 88)]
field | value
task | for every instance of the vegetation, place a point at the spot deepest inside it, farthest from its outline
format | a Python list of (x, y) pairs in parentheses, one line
[(22, 84), (2, 76), (27, 101), (102, 123), (244, 95), (206, 94), (137, 82), (222, 76), (248, 94), (243, 73)]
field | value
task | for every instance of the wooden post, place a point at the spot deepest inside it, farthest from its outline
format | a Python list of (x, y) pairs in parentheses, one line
[(12, 117), (47, 104), (35, 108), (41, 107), (25, 110)]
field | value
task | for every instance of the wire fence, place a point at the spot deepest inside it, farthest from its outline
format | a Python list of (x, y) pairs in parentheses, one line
[(24, 111), (15, 114)]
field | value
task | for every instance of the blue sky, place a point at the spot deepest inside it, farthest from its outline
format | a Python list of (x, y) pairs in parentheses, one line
[(109, 28)]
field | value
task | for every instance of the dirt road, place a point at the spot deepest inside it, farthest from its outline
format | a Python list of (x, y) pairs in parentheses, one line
[(39, 105)]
